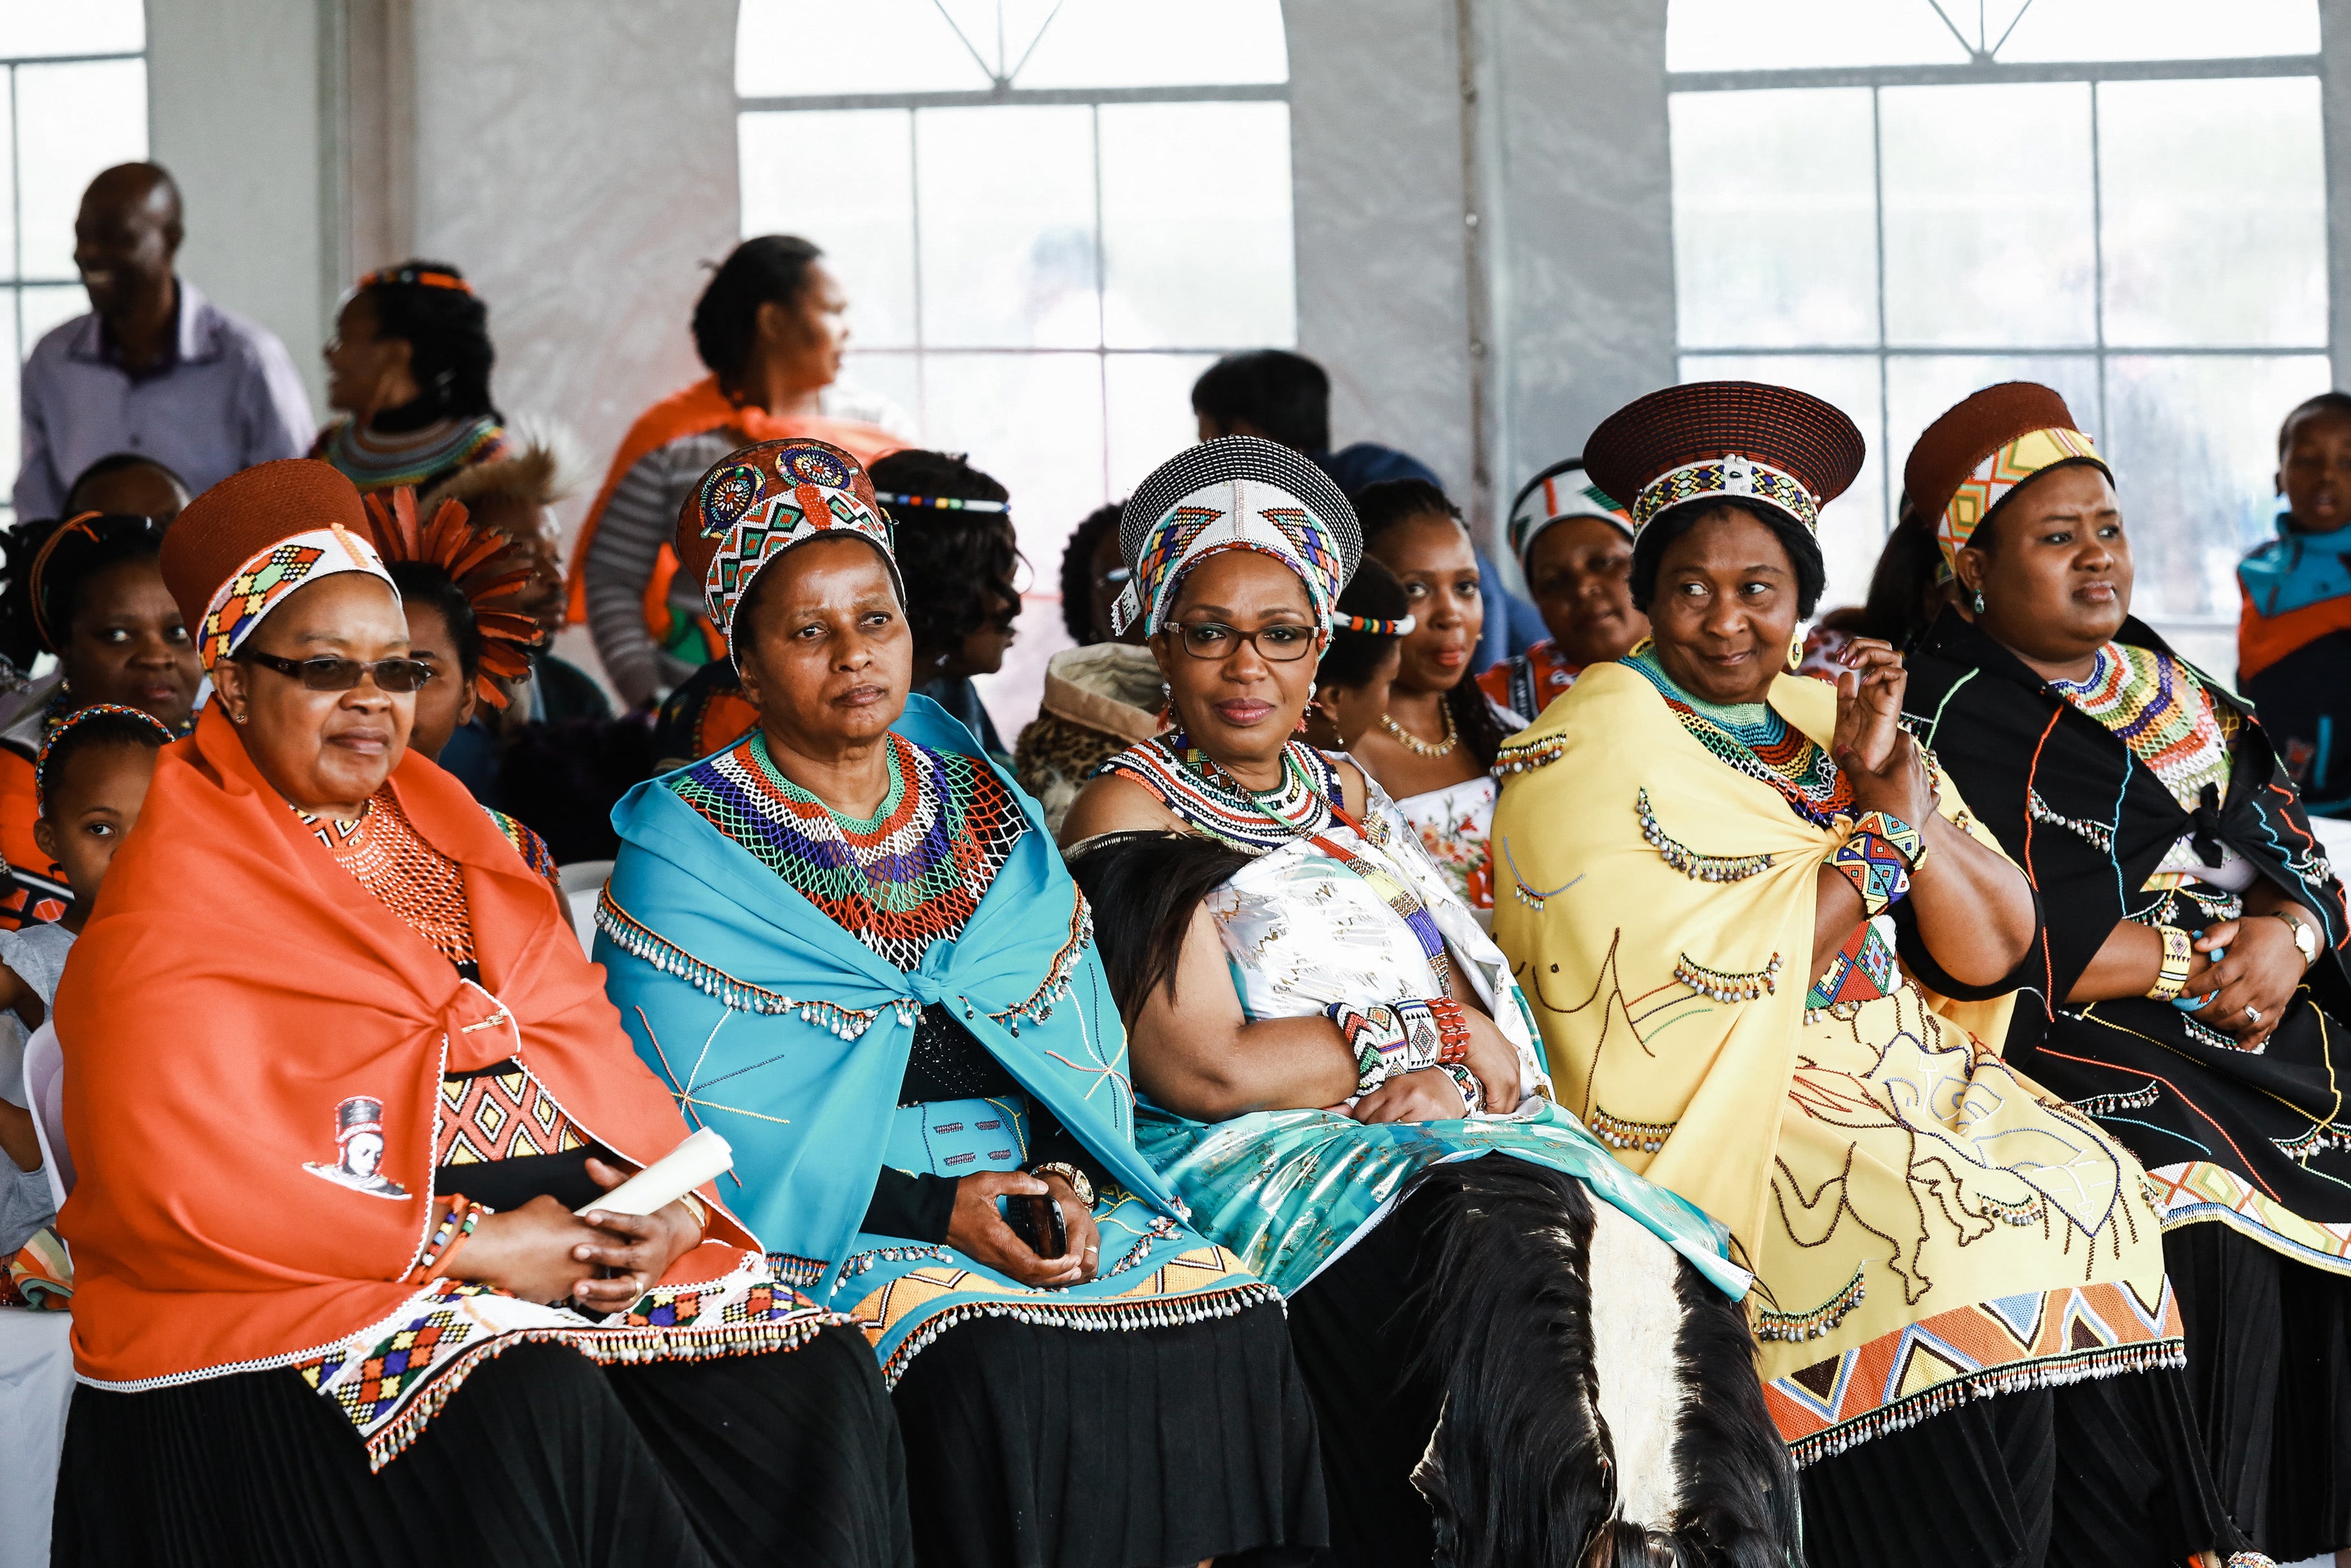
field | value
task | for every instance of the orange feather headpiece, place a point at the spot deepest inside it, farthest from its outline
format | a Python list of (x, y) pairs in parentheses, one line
[(487, 568)]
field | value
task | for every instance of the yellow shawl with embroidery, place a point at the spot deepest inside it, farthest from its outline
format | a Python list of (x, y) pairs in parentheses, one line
[(1925, 1223)]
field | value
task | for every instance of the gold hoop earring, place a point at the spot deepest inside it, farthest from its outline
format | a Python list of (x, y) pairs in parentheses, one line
[(1795, 653)]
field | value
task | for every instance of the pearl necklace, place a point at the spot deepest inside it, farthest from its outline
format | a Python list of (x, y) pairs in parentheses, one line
[(1418, 747)]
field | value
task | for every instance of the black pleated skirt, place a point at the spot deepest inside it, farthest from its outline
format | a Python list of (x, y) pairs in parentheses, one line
[(2268, 1369), (541, 1459), (1035, 1446), (2107, 1473)]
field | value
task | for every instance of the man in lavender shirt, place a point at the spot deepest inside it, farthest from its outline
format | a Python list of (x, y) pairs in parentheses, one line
[(155, 368)]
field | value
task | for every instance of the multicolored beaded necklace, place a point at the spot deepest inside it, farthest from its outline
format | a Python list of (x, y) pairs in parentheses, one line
[(1195, 788), (1753, 739), (898, 881), (2155, 704)]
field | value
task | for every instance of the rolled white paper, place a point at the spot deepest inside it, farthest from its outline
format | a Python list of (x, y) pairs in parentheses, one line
[(702, 1157)]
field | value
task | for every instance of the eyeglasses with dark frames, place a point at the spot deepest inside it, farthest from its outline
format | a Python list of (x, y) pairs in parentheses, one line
[(400, 675), (1282, 643)]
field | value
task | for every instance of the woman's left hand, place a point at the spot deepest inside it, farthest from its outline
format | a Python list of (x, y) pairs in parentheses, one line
[(638, 1248), (2262, 971)]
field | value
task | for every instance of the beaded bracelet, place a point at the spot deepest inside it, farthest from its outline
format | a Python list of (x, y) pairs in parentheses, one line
[(1398, 1037), (1473, 1093), (2177, 950), (456, 1228), (1874, 867), (1907, 842)]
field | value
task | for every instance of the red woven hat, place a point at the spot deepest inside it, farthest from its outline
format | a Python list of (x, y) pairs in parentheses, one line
[(1743, 439), (254, 538), (754, 503), (1972, 458)]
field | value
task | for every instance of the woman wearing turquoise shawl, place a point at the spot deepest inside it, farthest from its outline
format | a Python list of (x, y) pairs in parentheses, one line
[(1518, 1354), (849, 944)]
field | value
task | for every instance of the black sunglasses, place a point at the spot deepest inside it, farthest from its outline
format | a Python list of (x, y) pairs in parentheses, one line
[(329, 674)]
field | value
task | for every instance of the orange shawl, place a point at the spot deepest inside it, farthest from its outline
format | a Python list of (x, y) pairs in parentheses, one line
[(234, 988), (691, 411)]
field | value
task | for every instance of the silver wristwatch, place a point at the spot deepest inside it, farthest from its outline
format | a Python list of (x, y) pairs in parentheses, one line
[(2305, 938)]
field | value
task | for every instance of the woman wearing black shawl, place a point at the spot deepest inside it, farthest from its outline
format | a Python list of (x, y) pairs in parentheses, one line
[(2175, 864)]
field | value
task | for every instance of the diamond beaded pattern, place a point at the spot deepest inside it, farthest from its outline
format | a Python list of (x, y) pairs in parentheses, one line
[(1755, 740), (408, 876), (898, 882)]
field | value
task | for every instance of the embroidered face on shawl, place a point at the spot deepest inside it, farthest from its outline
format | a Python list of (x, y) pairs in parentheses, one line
[(756, 503), (1981, 449), (1237, 492), (1561, 491), (242, 548)]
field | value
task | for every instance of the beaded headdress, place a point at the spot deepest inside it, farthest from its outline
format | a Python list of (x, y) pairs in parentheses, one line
[(244, 546), (1237, 492), (487, 569), (1766, 445), (1400, 627), (754, 503), (940, 503), (75, 720), (1561, 491), (1972, 458)]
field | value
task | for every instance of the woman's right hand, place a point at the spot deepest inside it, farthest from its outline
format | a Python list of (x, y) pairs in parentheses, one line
[(527, 1251), (1427, 1095), (978, 1232)]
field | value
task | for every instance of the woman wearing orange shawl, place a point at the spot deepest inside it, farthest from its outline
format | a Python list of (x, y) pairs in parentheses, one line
[(306, 1229), (769, 328)]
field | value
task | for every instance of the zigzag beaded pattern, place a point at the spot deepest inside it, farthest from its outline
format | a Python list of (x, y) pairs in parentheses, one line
[(905, 878), (2155, 705), (1753, 739)]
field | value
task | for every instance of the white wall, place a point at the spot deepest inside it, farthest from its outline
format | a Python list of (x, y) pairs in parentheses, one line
[(232, 111)]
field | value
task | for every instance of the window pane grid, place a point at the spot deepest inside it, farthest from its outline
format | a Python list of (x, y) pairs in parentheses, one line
[(2200, 282)]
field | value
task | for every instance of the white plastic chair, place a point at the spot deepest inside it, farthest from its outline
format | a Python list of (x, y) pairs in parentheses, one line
[(45, 1084), (582, 882)]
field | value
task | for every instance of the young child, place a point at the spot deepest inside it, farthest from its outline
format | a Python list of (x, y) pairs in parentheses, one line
[(90, 781), (2293, 638)]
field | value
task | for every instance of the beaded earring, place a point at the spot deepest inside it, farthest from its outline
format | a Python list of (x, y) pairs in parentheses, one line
[(1980, 603), (1795, 652), (1310, 689)]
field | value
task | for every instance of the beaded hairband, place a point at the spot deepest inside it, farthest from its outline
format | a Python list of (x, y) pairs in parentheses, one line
[(941, 503), (1400, 627), (67, 726), (415, 278)]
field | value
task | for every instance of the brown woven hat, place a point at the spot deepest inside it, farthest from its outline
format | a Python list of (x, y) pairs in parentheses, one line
[(254, 538), (1972, 458), (1743, 439), (753, 505)]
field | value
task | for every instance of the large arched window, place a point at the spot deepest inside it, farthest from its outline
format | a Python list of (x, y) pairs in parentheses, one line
[(1891, 202), (74, 78), (1049, 219)]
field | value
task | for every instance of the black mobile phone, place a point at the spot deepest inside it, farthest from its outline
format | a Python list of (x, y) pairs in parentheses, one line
[(1038, 1221)]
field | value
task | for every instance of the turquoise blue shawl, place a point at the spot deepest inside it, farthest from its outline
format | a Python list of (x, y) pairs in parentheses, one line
[(786, 1034)]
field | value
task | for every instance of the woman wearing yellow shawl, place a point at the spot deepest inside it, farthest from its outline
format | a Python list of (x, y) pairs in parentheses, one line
[(1742, 903)]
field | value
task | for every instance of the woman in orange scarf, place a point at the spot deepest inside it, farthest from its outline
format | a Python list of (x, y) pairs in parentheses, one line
[(769, 328), (306, 1226)]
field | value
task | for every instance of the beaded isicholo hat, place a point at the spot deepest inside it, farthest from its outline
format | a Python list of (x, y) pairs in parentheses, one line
[(242, 546), (1237, 492), (1741, 441), (754, 503)]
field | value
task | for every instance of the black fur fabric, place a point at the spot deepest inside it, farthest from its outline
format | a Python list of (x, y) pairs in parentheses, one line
[(1530, 1481)]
